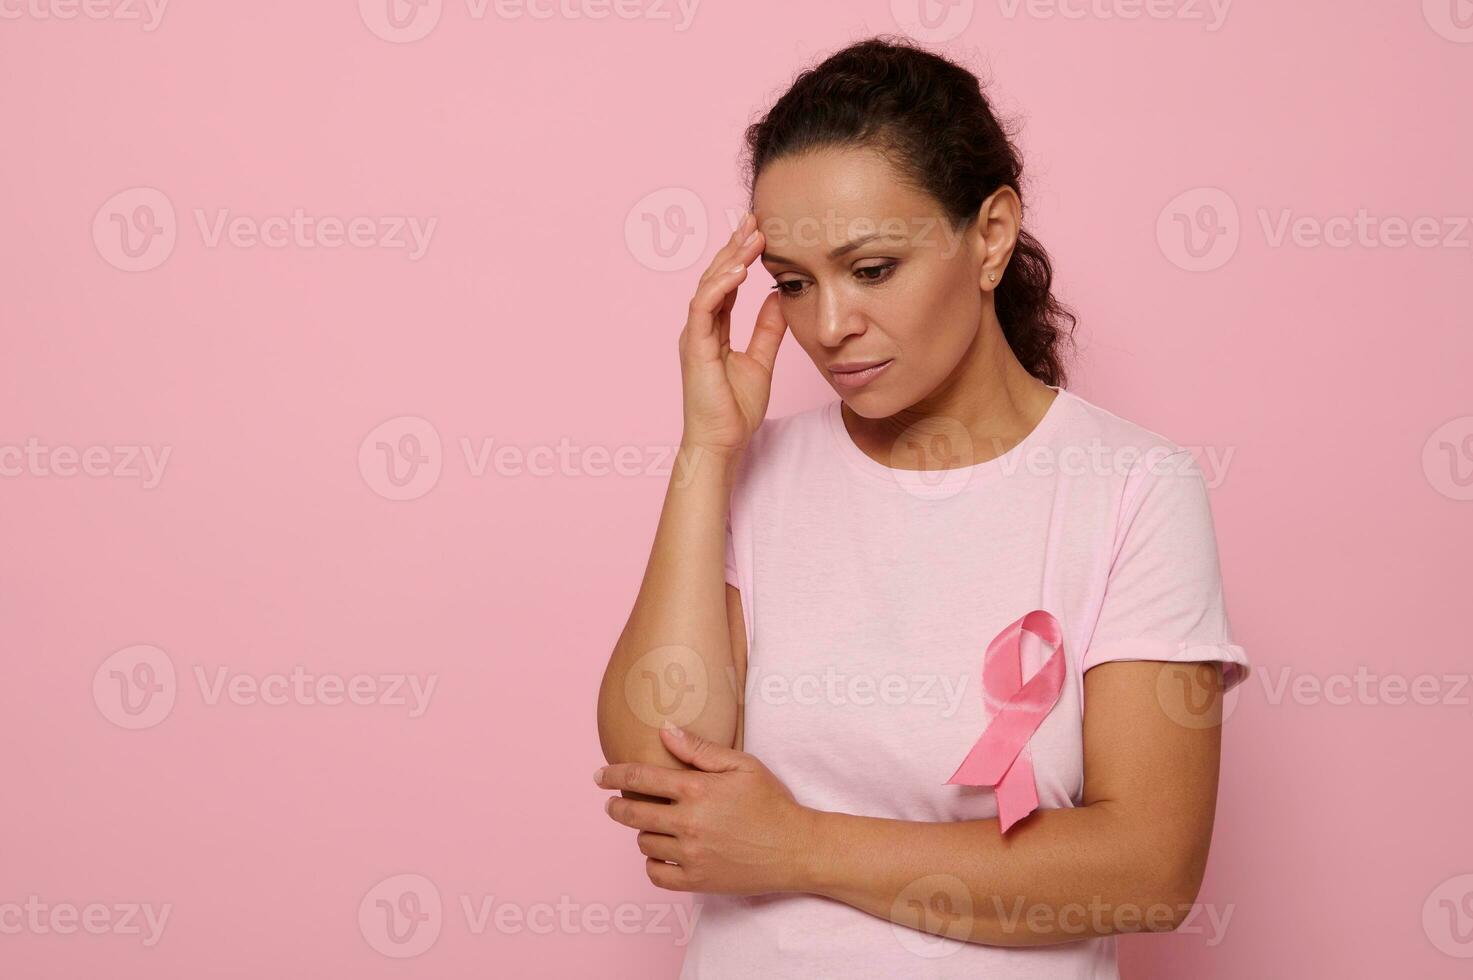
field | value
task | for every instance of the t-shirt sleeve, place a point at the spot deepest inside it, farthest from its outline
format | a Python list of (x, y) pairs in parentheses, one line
[(1164, 597)]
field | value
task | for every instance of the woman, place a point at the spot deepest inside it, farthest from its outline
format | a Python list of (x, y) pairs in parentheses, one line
[(886, 768)]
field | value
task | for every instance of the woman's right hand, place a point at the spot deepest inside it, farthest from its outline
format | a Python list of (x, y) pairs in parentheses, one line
[(726, 391)]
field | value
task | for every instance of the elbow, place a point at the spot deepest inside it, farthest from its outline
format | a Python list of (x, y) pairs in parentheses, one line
[(627, 735), (1185, 889), (1159, 872), (629, 723), (622, 735), (1171, 892)]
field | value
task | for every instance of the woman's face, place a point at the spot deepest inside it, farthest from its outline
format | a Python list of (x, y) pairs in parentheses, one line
[(871, 273)]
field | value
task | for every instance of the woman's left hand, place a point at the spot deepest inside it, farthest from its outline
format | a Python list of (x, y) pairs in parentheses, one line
[(731, 826)]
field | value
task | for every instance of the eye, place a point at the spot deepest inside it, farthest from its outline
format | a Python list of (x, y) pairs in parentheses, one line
[(868, 274), (882, 272)]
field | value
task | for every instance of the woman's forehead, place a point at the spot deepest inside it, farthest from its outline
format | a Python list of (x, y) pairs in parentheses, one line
[(847, 194)]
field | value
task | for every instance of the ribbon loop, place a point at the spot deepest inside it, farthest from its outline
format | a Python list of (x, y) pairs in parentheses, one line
[(1000, 757)]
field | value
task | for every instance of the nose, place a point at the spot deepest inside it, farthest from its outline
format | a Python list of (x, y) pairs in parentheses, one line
[(838, 318)]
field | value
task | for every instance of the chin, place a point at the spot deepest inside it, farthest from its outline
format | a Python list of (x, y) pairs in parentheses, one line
[(870, 404)]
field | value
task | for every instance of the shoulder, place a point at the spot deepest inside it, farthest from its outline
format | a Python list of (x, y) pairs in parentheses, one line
[(787, 441), (1088, 421), (1118, 447)]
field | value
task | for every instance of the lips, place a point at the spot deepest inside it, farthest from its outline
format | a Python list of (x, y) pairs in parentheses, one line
[(853, 374)]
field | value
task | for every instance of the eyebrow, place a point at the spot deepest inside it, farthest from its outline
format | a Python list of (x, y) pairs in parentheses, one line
[(844, 249)]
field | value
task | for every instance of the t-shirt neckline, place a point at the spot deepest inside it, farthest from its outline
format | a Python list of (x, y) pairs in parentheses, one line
[(941, 483)]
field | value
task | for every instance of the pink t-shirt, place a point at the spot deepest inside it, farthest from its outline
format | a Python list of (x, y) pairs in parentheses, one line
[(870, 594)]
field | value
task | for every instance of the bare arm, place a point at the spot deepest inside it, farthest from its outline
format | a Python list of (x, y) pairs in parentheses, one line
[(682, 652), (678, 629), (1130, 858)]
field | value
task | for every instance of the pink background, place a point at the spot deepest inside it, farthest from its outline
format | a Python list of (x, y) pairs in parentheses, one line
[(543, 311)]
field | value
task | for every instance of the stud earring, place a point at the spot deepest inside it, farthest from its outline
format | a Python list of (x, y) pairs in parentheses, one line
[(992, 277)]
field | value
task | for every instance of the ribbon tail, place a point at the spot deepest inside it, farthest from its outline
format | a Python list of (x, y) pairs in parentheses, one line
[(1017, 793)]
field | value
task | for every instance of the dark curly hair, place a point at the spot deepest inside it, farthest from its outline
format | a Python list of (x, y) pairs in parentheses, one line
[(930, 119)]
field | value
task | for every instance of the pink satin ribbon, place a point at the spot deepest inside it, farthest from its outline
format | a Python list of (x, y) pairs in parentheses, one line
[(1000, 757)]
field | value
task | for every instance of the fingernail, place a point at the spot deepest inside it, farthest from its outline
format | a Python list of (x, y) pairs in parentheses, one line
[(608, 804), (751, 238), (598, 774), (672, 728)]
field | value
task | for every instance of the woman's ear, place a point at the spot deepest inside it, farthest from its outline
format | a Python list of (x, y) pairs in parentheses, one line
[(999, 221)]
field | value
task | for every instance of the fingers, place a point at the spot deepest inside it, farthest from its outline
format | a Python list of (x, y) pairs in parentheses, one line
[(723, 316), (736, 252), (641, 777), (671, 877), (661, 847), (706, 304), (716, 291), (658, 818), (731, 252), (767, 335)]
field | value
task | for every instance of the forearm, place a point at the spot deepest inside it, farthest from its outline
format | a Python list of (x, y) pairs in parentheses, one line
[(680, 611), (1060, 876)]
